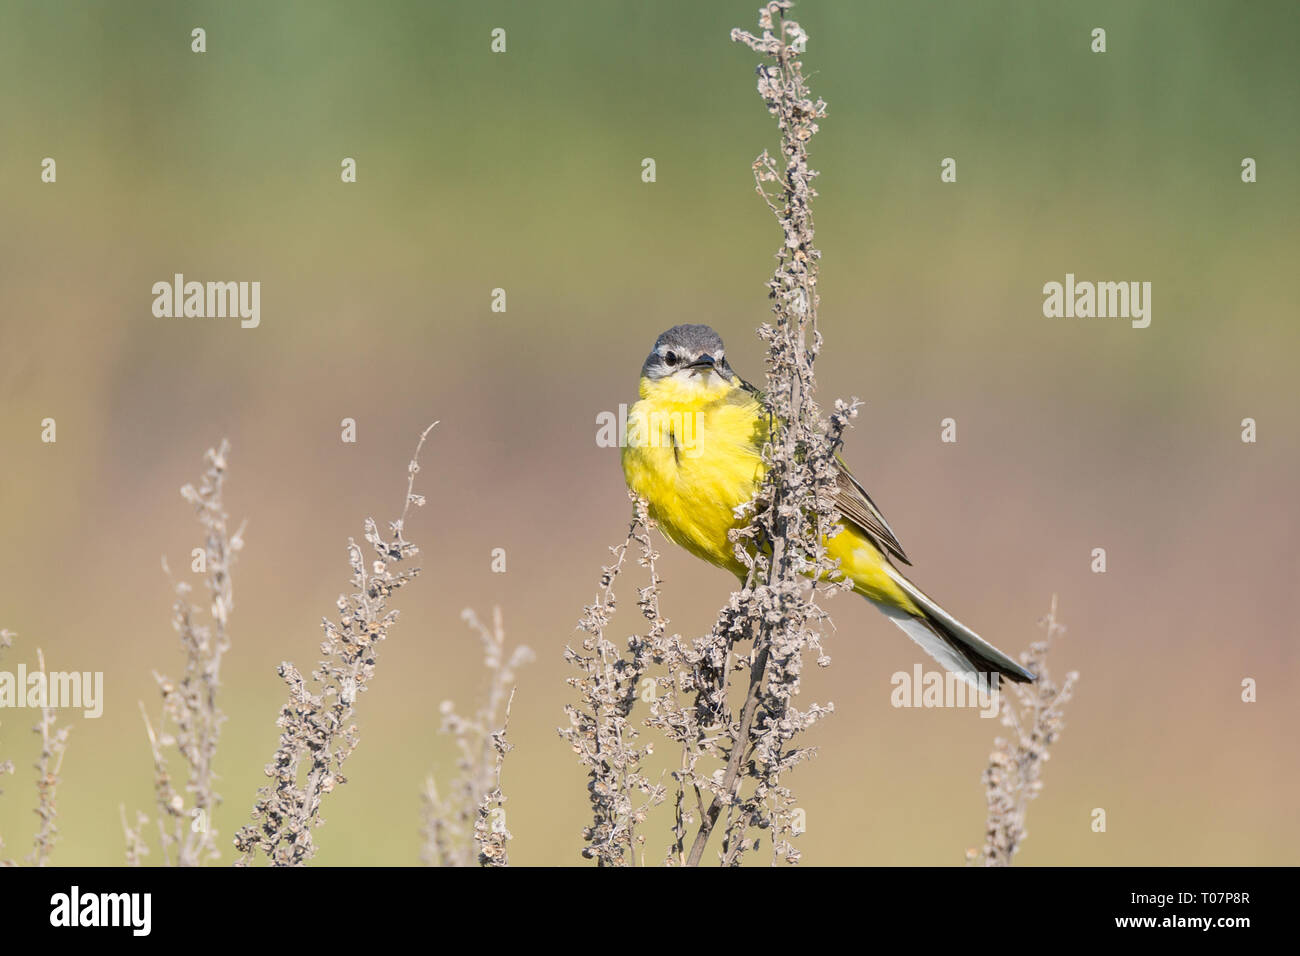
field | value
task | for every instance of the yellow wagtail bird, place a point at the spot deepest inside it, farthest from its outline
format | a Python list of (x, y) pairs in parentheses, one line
[(693, 451)]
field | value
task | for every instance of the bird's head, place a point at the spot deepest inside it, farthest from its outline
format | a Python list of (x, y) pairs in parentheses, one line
[(688, 359)]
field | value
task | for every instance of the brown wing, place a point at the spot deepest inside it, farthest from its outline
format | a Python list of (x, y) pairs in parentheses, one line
[(857, 508)]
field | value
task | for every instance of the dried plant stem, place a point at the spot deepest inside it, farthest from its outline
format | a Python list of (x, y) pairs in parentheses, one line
[(600, 730), (1035, 713), (781, 544), (136, 846), (317, 733), (468, 824), (203, 669), (490, 833), (54, 744), (191, 721), (731, 778), (169, 804), (791, 516)]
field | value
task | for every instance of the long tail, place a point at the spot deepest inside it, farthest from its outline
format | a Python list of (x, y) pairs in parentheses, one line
[(947, 640)]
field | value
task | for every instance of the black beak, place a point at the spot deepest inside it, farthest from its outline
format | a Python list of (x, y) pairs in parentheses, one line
[(707, 363)]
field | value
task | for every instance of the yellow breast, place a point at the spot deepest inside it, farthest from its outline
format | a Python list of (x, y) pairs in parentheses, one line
[(694, 452)]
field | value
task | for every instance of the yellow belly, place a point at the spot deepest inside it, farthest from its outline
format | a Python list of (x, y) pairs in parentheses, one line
[(695, 459)]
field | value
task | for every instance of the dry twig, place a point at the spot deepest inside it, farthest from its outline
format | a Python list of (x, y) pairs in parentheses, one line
[(317, 733), (54, 744), (775, 614), (1013, 776), (191, 721), (469, 823)]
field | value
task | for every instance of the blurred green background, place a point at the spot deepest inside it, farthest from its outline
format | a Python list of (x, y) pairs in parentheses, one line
[(522, 171)]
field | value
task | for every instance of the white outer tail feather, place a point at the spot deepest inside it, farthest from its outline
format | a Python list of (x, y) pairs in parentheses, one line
[(939, 647), (935, 646)]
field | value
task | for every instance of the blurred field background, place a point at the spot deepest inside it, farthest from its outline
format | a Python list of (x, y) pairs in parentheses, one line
[(522, 171)]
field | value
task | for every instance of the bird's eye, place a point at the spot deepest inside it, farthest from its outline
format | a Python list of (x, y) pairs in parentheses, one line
[(670, 358)]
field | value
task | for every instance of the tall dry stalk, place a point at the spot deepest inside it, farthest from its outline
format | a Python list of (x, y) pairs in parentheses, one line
[(1035, 714), (794, 509), (601, 731), (761, 637), (467, 824), (54, 744), (49, 764), (317, 733), (191, 720)]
